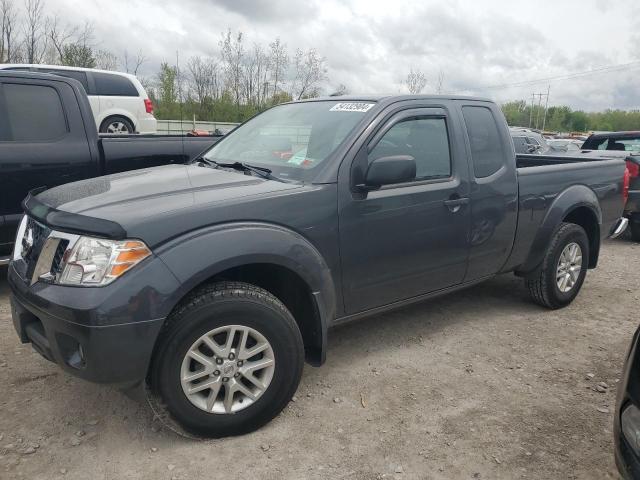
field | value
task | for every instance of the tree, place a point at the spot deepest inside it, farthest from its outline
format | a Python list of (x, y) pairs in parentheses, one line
[(76, 55), (131, 65), (232, 52), (8, 17), (310, 70), (255, 76), (106, 60), (35, 40), (415, 81), (167, 92), (278, 63), (341, 90), (59, 36), (440, 84), (203, 82)]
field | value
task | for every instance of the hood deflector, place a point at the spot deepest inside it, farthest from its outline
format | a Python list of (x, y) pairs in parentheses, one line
[(70, 222)]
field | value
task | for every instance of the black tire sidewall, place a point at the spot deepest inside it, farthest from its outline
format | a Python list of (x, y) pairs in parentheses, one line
[(569, 235), (634, 229), (285, 341), (108, 121)]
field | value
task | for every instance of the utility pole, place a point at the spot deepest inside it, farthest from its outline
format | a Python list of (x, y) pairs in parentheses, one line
[(546, 106), (539, 97), (533, 95)]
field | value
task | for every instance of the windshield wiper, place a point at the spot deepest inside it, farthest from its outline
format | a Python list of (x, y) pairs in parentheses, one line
[(243, 167)]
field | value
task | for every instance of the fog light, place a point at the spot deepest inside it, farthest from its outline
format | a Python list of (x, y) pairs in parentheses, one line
[(630, 423)]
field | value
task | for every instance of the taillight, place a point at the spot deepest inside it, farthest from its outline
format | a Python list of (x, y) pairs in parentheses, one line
[(148, 105), (625, 184), (634, 169)]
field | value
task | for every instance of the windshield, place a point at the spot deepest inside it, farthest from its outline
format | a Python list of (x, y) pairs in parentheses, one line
[(291, 139)]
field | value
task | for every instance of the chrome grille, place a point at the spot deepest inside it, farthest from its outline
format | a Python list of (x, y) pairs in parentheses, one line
[(33, 240), (56, 266)]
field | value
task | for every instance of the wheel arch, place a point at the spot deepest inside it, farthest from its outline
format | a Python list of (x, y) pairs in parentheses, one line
[(109, 114), (577, 204), (271, 257)]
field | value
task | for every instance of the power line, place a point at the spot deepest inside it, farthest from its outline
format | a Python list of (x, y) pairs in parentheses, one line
[(567, 76)]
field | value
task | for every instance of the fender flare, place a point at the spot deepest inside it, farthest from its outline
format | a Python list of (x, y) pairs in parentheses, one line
[(567, 201), (199, 255)]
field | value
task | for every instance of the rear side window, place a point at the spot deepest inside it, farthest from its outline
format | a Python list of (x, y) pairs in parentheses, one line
[(114, 85), (487, 153), (34, 113), (76, 75)]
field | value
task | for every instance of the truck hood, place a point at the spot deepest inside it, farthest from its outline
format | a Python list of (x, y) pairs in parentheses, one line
[(156, 202)]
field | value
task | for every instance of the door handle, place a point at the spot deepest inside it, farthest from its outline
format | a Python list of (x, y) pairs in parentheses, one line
[(454, 204)]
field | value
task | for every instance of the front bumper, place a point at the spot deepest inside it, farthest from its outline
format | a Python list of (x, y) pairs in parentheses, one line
[(105, 334)]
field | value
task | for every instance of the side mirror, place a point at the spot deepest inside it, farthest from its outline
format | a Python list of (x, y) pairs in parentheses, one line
[(390, 170), (532, 148)]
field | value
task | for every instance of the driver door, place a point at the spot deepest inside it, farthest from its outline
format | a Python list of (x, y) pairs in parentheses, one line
[(408, 239)]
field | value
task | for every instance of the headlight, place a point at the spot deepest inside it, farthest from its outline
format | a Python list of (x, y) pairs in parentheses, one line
[(97, 261)]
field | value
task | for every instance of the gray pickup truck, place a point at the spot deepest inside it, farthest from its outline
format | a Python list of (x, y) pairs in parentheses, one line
[(214, 281)]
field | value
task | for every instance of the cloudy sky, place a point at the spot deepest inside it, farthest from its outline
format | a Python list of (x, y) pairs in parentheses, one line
[(501, 49)]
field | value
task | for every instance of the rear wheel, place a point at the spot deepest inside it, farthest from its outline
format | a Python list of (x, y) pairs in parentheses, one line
[(117, 125), (229, 360), (557, 281)]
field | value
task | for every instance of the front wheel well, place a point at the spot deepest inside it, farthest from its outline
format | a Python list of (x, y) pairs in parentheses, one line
[(292, 291), (587, 219)]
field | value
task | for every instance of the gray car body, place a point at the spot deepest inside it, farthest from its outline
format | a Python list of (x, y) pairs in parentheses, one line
[(350, 253)]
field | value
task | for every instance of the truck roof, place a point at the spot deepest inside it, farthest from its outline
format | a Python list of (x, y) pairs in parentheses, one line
[(392, 98)]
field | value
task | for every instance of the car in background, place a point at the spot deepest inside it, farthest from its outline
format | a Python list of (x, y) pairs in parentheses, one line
[(118, 100), (48, 138), (565, 144), (628, 145), (529, 141), (622, 141)]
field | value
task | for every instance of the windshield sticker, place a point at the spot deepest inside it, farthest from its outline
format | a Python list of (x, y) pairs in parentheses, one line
[(352, 107)]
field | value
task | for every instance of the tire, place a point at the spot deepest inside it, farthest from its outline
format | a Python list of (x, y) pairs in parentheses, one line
[(222, 307), (543, 282), (117, 125), (634, 229)]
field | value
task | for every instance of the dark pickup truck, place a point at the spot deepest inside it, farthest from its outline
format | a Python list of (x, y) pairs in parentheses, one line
[(48, 137), (214, 281)]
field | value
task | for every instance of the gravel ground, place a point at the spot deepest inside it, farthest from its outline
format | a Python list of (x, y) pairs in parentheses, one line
[(480, 384)]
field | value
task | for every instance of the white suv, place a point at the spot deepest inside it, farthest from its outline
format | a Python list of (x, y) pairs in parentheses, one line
[(119, 102)]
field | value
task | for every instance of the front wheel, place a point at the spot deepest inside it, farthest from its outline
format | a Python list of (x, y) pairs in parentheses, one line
[(557, 281), (229, 360)]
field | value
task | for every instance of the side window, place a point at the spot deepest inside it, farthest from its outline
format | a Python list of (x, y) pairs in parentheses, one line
[(76, 75), (114, 85), (487, 153), (425, 139), (520, 144), (34, 113)]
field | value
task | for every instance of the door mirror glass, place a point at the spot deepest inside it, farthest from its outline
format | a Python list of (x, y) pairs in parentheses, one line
[(390, 170)]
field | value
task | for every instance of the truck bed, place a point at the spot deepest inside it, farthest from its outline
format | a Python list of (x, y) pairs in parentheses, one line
[(130, 152), (542, 179)]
